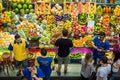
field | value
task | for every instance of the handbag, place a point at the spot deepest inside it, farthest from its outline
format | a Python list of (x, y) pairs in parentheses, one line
[(56, 59), (93, 76)]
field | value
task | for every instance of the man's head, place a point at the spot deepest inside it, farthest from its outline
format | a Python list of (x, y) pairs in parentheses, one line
[(43, 52), (65, 32), (103, 60), (17, 38), (31, 66), (102, 36)]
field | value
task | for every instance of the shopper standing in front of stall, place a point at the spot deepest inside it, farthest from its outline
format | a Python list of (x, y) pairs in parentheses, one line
[(20, 49), (64, 44), (100, 45)]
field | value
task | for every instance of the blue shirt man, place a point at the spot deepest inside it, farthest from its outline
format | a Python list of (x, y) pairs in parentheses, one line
[(45, 63), (100, 45)]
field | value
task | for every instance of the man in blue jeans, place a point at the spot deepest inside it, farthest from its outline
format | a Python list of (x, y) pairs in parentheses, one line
[(100, 45)]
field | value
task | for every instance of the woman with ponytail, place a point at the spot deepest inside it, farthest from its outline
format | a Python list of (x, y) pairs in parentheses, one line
[(87, 67)]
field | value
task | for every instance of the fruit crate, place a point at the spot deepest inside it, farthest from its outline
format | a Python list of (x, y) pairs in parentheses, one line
[(33, 43)]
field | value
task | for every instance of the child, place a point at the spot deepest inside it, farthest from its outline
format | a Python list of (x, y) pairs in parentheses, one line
[(45, 64), (32, 72), (87, 67), (104, 69)]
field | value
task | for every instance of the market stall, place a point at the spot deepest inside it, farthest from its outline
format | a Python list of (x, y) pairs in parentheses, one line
[(40, 22)]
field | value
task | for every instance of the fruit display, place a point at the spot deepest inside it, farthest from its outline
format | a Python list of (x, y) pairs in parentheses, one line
[(99, 10), (67, 8), (106, 19), (32, 18), (107, 9), (76, 56), (23, 6), (92, 8), (82, 19), (42, 21), (50, 18), (57, 10), (26, 25), (47, 8), (68, 25), (6, 17), (113, 20), (117, 10), (1, 6), (5, 39), (40, 7)]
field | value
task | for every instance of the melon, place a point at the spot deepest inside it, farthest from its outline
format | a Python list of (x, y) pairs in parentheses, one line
[(14, 5), (25, 6), (27, 11), (21, 10), (32, 10), (30, 6), (16, 10), (20, 6)]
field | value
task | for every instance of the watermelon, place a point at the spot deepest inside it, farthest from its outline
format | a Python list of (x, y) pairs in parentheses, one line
[(25, 6), (31, 10), (20, 6), (21, 10), (14, 5), (27, 11), (16, 10), (30, 6)]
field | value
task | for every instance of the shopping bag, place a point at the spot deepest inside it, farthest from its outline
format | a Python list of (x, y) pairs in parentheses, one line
[(93, 76)]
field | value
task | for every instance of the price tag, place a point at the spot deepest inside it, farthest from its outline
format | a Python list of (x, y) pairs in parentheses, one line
[(90, 23)]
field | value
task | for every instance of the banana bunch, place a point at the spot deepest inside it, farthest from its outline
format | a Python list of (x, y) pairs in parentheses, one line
[(1, 6), (68, 25), (92, 9), (117, 10), (113, 20), (99, 10)]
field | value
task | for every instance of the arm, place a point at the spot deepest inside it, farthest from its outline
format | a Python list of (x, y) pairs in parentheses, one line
[(53, 65), (11, 51), (116, 66), (100, 78)]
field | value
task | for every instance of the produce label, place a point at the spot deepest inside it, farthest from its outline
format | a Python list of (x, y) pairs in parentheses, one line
[(67, 8)]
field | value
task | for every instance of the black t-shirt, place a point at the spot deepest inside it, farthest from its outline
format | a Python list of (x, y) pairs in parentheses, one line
[(64, 47)]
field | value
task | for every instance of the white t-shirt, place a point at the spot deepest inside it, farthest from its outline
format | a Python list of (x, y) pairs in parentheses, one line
[(103, 72), (114, 69)]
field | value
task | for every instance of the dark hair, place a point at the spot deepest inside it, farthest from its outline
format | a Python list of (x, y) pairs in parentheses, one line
[(104, 60), (31, 64), (23, 78), (65, 32), (17, 36), (102, 34), (43, 51), (116, 54)]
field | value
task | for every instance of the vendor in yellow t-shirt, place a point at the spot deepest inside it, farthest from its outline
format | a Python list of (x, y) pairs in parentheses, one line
[(19, 48)]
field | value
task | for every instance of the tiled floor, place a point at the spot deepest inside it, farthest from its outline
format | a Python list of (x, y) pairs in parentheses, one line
[(73, 70)]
